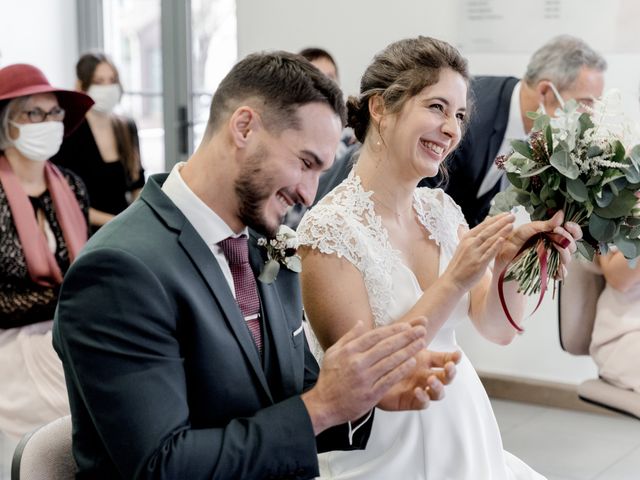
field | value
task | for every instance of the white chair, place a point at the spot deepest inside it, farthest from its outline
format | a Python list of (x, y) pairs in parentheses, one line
[(45, 453), (577, 300)]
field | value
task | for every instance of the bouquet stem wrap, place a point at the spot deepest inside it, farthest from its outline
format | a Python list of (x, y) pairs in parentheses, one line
[(534, 263)]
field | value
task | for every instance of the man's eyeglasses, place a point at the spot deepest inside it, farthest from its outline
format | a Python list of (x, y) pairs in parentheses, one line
[(37, 115)]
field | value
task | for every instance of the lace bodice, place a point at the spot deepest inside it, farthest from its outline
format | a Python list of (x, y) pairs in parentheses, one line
[(345, 223)]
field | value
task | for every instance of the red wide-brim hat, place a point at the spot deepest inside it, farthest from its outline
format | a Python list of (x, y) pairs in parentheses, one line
[(21, 79)]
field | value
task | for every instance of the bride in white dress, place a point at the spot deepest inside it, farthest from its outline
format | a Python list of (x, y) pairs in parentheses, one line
[(380, 250)]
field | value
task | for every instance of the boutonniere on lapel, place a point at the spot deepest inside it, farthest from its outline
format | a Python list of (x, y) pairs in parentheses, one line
[(281, 250)]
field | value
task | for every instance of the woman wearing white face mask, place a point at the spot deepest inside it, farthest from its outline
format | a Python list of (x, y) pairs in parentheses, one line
[(104, 150), (43, 220)]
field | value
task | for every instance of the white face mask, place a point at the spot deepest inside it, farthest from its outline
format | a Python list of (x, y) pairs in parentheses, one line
[(39, 141), (106, 97)]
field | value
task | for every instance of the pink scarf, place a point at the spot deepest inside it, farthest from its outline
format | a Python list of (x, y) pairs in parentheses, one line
[(41, 263)]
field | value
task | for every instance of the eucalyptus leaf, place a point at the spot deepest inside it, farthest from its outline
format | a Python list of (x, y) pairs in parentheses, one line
[(549, 138), (611, 175), (540, 123), (561, 161), (621, 183), (545, 193), (535, 172), (634, 155), (593, 180), (586, 250), (629, 248), (585, 123), (620, 206), (589, 207), (594, 151), (504, 202), (514, 179), (618, 152), (523, 198), (605, 197), (540, 213), (577, 189), (632, 173), (555, 181), (522, 148), (602, 229), (534, 199)]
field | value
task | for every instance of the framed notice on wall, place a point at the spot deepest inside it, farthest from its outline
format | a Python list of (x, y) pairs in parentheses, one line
[(520, 26)]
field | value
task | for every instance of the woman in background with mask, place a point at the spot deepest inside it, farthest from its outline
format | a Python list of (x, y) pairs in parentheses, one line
[(104, 150), (43, 225)]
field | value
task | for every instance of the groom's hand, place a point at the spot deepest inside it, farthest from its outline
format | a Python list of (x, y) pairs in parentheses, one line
[(359, 369), (432, 372)]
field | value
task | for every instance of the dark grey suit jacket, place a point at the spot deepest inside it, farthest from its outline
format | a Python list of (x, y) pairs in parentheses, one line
[(164, 378), (479, 147)]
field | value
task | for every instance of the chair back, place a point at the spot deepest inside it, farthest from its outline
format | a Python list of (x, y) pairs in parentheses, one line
[(45, 453), (577, 299)]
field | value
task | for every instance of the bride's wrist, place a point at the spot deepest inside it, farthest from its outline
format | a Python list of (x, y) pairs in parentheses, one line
[(453, 285)]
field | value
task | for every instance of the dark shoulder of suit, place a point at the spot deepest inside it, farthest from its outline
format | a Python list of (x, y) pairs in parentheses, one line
[(338, 172), (491, 100)]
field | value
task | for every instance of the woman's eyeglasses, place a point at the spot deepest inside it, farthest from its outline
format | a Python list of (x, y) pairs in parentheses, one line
[(37, 115)]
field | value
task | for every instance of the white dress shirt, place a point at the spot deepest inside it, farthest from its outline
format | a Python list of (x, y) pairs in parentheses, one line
[(514, 130), (206, 222)]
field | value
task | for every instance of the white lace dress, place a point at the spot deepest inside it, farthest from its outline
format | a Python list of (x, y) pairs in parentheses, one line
[(456, 438)]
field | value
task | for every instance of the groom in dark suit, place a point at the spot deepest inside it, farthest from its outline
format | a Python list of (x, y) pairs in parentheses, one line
[(562, 69), (178, 363)]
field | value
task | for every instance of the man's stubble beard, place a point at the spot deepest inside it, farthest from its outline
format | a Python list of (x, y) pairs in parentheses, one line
[(253, 189)]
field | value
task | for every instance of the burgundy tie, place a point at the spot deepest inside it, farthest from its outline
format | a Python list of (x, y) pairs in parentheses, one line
[(237, 252)]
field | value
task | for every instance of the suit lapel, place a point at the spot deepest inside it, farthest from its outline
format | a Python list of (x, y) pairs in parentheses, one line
[(275, 320), (500, 123), (204, 261)]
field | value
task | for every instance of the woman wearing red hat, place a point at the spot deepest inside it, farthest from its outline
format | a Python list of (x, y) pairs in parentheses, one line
[(43, 220)]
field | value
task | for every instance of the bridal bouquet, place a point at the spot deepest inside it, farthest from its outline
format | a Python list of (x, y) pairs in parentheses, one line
[(578, 163)]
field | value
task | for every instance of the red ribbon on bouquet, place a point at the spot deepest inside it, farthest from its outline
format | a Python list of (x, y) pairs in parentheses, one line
[(541, 251)]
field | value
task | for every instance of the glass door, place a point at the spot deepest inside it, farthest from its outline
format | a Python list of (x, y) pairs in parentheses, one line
[(171, 55), (213, 52), (132, 37)]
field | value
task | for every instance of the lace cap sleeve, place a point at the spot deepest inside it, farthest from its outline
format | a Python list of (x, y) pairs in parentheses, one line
[(342, 223), (328, 228)]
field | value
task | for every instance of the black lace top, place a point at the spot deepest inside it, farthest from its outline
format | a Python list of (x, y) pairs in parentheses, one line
[(22, 301)]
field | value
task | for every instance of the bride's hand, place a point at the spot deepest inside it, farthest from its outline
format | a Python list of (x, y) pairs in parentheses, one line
[(571, 231), (433, 371), (477, 248)]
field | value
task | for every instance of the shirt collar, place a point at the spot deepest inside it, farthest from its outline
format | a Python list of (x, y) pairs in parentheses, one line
[(515, 124), (204, 220)]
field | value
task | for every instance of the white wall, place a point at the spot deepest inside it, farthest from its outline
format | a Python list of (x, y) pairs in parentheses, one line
[(43, 33), (353, 32)]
